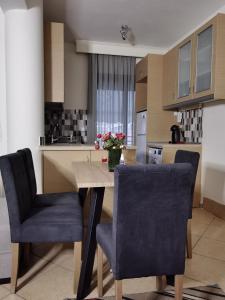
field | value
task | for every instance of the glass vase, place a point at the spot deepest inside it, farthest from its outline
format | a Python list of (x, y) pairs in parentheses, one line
[(113, 158)]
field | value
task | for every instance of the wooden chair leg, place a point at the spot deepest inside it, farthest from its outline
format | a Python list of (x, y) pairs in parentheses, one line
[(119, 289), (189, 240), (100, 272), (15, 266), (179, 287), (161, 283), (77, 264)]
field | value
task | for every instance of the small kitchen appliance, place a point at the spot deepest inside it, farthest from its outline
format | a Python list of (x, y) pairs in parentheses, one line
[(176, 134)]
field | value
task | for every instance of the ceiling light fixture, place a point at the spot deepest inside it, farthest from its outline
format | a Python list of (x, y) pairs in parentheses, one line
[(124, 31)]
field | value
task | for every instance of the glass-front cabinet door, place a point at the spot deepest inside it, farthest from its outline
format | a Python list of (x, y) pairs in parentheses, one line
[(184, 69), (203, 76)]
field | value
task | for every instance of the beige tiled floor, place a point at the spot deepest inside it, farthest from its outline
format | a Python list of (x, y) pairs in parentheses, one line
[(51, 272)]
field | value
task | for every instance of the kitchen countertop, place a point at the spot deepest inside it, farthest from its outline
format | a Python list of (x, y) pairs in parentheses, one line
[(166, 144), (73, 147)]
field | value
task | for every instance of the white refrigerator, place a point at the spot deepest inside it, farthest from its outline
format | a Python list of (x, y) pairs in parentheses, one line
[(141, 143)]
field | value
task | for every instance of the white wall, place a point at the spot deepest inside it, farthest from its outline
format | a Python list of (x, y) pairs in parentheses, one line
[(3, 120), (76, 78), (213, 152), (24, 80), (3, 131)]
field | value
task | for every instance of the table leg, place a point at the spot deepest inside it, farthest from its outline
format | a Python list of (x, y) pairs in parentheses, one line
[(90, 243)]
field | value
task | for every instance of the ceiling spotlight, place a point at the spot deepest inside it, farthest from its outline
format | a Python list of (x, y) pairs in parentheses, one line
[(124, 31)]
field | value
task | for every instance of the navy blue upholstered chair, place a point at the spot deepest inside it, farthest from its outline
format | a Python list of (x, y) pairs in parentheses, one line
[(183, 156), (45, 199), (148, 232), (31, 223)]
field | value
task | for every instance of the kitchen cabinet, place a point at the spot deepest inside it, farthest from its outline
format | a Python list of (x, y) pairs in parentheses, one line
[(150, 93), (141, 70), (169, 77), (200, 65), (203, 61), (54, 62), (141, 97), (159, 121), (184, 76), (57, 169)]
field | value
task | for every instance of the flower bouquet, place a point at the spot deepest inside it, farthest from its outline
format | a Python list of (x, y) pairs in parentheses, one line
[(114, 143)]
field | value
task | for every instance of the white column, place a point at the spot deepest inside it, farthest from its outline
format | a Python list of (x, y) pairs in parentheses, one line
[(24, 80), (3, 126)]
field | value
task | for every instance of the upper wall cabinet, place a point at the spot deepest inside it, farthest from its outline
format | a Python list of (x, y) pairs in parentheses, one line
[(200, 65), (169, 75), (203, 61), (141, 71), (184, 78), (141, 76), (54, 62)]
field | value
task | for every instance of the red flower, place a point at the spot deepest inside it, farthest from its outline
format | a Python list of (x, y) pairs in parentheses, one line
[(106, 136), (99, 136), (120, 136)]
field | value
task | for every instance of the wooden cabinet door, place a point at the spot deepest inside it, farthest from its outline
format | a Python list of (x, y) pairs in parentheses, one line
[(204, 61), (58, 171), (170, 68), (185, 54), (54, 62), (141, 97), (141, 71)]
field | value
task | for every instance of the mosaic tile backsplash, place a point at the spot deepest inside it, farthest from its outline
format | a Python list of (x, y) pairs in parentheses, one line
[(191, 124), (66, 123)]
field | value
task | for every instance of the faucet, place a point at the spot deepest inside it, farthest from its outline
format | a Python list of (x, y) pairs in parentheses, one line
[(53, 139)]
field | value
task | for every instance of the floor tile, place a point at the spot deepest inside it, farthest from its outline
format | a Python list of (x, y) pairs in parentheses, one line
[(215, 233), (218, 222), (189, 282), (13, 297), (195, 239), (202, 216), (204, 269), (56, 284), (51, 273), (198, 228), (210, 248), (37, 268), (3, 292)]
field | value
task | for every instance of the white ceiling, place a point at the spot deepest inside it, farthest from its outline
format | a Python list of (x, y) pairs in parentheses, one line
[(155, 23)]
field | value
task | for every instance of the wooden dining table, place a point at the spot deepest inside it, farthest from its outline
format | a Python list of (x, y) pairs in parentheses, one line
[(94, 176)]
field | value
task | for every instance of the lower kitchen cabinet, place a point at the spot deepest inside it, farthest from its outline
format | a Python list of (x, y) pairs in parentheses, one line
[(169, 151), (57, 169)]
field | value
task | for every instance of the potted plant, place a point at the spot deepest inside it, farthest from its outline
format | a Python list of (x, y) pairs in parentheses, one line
[(114, 143)]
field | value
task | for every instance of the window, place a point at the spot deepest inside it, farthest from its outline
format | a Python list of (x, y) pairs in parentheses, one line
[(114, 95)]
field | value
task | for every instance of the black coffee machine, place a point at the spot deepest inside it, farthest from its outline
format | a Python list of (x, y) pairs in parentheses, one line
[(176, 134)]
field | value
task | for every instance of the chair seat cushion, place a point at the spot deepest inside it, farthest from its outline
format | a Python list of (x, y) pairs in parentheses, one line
[(104, 239), (59, 223), (57, 199)]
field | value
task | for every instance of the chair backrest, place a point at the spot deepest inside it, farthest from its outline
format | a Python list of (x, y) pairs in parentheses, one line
[(17, 190), (183, 156), (150, 215), (27, 156)]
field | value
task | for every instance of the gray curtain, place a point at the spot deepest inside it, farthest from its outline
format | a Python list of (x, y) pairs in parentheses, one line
[(111, 95)]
